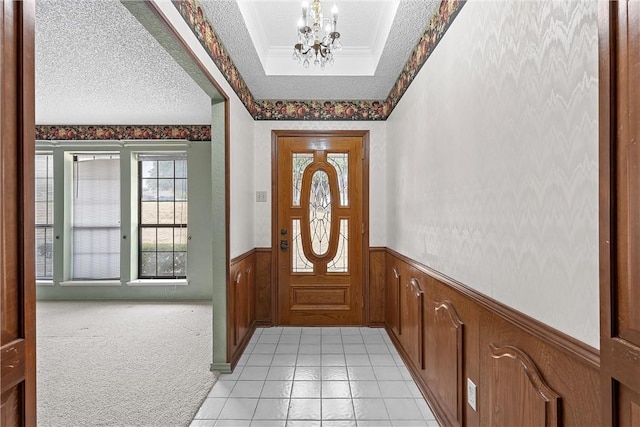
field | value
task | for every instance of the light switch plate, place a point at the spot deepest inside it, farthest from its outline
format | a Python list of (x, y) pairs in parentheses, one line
[(471, 393), (261, 196)]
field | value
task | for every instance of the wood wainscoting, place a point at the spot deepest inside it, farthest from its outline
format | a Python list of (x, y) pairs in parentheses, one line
[(241, 304), (525, 373)]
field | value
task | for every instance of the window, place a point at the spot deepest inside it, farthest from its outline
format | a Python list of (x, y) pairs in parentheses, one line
[(44, 216), (96, 216), (162, 208)]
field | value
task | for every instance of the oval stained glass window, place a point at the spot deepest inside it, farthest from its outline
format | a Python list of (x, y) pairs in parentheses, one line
[(320, 213)]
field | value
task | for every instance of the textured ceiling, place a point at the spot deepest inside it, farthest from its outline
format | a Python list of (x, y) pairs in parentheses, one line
[(96, 64), (408, 25)]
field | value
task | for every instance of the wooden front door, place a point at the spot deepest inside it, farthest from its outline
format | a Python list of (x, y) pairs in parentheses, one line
[(620, 211), (319, 228), (17, 271)]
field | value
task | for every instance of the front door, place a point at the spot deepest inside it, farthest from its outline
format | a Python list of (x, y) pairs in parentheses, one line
[(319, 235)]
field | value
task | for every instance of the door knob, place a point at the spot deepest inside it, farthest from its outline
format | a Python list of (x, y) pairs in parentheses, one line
[(284, 244)]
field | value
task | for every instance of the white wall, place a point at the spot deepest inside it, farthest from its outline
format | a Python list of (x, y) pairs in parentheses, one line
[(377, 173), (492, 160), (241, 145)]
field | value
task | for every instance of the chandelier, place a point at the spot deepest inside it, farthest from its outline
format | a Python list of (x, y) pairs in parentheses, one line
[(314, 42)]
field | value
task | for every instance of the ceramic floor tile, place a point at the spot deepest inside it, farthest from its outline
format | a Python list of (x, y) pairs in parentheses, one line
[(352, 339), (350, 330), (335, 389), (333, 360), (306, 389), (413, 388), (289, 339), (308, 360), (272, 331), (259, 360), (222, 389), (373, 339), (357, 360), (332, 349), (332, 339), (331, 331), (303, 423), (233, 423), (307, 373), (394, 389), (211, 408), (287, 349), (284, 360), (276, 389), (280, 373), (409, 423), (339, 423), (373, 423), (304, 409), (310, 339), (368, 389), (403, 409), (382, 360), (233, 376), (311, 330), (241, 408), (424, 408), (265, 348), (355, 349), (365, 373), (268, 423), (203, 423), (334, 373), (254, 373), (377, 349), (247, 389), (309, 349), (292, 330), (388, 373), (272, 409), (370, 409), (269, 339), (337, 409)]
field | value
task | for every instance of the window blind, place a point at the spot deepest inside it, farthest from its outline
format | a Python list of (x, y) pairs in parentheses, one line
[(96, 216)]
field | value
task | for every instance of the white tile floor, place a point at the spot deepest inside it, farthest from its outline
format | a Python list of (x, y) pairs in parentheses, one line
[(329, 377)]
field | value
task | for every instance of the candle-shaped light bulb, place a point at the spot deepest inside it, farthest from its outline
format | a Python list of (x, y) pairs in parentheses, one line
[(300, 23), (305, 8), (334, 20)]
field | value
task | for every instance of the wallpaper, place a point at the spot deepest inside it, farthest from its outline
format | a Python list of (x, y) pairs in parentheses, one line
[(377, 173), (493, 163), (266, 109), (115, 132)]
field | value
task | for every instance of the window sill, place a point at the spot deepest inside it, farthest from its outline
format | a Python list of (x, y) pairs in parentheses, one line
[(158, 282), (44, 283), (91, 283)]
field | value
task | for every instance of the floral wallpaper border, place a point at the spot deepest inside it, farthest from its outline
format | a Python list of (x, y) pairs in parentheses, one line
[(118, 132), (193, 14)]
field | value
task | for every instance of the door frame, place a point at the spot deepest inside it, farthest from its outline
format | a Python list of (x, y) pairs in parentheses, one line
[(618, 360), (275, 232)]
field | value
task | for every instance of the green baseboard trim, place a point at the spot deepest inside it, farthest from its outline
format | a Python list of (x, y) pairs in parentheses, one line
[(223, 368)]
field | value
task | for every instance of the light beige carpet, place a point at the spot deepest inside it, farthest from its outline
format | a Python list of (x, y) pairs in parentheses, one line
[(122, 363)]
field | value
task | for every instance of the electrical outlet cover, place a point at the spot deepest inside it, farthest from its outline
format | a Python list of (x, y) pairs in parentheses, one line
[(471, 393)]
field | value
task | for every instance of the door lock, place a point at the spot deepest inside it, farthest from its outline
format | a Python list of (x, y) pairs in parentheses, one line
[(284, 244)]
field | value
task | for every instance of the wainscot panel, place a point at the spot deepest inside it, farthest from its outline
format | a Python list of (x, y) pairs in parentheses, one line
[(264, 290), (479, 362), (241, 306), (376, 288)]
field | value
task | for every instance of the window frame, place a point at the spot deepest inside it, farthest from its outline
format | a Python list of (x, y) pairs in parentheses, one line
[(63, 175), (158, 225)]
